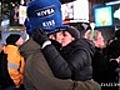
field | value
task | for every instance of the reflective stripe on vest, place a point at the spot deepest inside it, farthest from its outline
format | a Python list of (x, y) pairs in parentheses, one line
[(13, 66)]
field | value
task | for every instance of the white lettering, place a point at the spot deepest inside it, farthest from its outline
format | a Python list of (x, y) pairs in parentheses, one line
[(110, 84), (38, 14), (45, 12), (48, 23), (52, 10)]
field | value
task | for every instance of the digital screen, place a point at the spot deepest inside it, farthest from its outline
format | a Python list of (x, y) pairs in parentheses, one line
[(67, 11), (81, 10), (73, 11), (103, 16)]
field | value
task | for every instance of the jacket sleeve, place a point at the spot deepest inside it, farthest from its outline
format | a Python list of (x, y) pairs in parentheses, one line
[(13, 68), (22, 67), (57, 63)]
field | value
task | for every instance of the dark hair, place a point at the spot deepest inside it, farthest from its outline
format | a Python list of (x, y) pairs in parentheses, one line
[(114, 49), (117, 34)]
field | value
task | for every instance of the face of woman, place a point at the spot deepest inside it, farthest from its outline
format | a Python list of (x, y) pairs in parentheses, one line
[(63, 37), (99, 42), (67, 38)]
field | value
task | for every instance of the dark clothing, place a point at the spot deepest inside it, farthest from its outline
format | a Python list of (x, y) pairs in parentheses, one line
[(104, 70), (28, 48), (113, 71), (114, 77), (74, 61), (100, 67), (112, 54), (12, 88), (38, 75), (5, 79), (11, 68)]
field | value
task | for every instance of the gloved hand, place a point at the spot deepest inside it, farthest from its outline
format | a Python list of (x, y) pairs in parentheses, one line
[(39, 36)]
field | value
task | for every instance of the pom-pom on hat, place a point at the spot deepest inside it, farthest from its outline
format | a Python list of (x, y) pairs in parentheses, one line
[(44, 14), (12, 39)]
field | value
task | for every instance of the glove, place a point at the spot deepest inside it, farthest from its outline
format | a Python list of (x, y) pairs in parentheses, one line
[(39, 36)]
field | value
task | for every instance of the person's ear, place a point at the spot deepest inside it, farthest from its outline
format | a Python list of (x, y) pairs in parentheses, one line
[(52, 37), (72, 38)]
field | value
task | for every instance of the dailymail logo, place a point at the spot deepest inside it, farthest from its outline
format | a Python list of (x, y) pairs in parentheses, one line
[(45, 12)]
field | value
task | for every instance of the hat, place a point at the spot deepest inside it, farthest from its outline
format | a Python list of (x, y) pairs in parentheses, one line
[(44, 14), (72, 30), (12, 39), (28, 26)]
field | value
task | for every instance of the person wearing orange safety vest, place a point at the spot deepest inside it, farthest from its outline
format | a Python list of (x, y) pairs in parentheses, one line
[(12, 71)]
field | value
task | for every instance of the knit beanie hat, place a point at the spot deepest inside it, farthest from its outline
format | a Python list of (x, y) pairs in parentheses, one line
[(44, 14), (12, 39), (72, 30)]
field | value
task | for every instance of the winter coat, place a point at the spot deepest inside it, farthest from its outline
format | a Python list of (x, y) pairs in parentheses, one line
[(74, 63), (100, 67), (38, 75), (15, 64)]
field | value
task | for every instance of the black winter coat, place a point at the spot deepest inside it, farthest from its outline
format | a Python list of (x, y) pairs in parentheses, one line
[(100, 67), (73, 61)]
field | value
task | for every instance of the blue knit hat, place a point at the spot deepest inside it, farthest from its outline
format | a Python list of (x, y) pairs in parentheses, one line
[(44, 14)]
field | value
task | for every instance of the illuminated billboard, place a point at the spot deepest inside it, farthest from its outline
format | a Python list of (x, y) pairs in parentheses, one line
[(76, 11), (116, 14), (103, 16)]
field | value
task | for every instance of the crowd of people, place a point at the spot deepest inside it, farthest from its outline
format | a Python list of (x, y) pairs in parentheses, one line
[(54, 56)]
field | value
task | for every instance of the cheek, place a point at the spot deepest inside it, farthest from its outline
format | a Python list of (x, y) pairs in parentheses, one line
[(66, 41), (21, 42), (59, 39), (101, 41)]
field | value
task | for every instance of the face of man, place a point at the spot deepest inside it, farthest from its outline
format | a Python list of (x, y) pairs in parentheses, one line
[(67, 38), (57, 36), (20, 41), (63, 37)]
